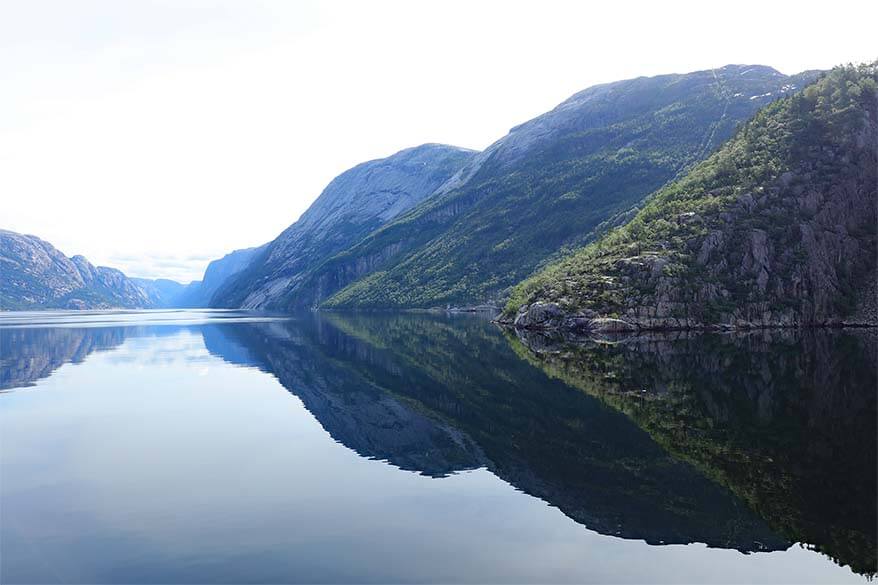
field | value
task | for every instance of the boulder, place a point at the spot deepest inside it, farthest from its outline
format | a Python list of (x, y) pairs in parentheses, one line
[(539, 316)]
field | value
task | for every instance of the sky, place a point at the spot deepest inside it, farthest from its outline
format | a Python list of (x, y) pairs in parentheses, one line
[(154, 136)]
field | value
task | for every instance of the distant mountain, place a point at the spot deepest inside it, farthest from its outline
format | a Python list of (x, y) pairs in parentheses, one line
[(778, 228), (198, 293), (353, 205), (168, 294), (552, 183), (162, 293), (34, 274)]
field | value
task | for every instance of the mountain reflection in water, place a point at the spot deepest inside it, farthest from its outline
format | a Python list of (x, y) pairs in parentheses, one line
[(785, 419), (749, 442)]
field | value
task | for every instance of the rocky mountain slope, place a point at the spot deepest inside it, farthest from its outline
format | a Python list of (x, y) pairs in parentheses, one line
[(551, 183), (34, 274), (354, 204), (778, 228)]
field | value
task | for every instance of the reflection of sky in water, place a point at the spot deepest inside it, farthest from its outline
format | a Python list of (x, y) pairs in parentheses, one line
[(186, 347), (159, 462), (122, 317)]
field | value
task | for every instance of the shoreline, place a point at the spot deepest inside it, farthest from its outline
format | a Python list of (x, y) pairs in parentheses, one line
[(627, 327)]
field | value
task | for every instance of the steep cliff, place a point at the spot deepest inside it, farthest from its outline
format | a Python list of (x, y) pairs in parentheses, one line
[(778, 228), (354, 204)]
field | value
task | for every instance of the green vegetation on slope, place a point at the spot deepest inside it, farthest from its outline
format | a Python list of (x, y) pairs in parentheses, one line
[(778, 225)]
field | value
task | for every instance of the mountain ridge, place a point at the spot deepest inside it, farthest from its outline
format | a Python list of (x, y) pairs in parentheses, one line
[(545, 186), (35, 274)]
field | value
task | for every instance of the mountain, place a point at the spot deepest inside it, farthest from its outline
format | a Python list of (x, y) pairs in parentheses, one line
[(168, 294), (778, 228), (551, 184), (354, 204), (162, 292), (34, 274), (219, 271), (199, 292)]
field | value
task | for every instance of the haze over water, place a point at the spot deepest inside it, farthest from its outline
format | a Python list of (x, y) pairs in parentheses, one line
[(196, 446)]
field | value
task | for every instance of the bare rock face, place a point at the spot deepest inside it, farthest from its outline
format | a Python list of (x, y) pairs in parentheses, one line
[(33, 271), (816, 271), (354, 204), (34, 274), (539, 316), (543, 316)]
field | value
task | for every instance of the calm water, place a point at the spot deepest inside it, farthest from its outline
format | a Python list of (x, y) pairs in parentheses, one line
[(161, 447)]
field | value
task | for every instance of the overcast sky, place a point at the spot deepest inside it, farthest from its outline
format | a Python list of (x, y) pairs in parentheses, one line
[(154, 136)]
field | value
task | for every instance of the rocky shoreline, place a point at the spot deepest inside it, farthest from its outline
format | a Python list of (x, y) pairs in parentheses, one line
[(552, 317)]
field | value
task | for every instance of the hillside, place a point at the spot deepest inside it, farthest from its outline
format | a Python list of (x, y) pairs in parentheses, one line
[(551, 184), (354, 204), (34, 275), (777, 228)]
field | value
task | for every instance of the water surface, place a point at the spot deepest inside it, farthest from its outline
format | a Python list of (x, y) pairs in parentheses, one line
[(202, 446)]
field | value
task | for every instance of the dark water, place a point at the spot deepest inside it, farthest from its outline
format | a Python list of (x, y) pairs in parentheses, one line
[(172, 447)]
